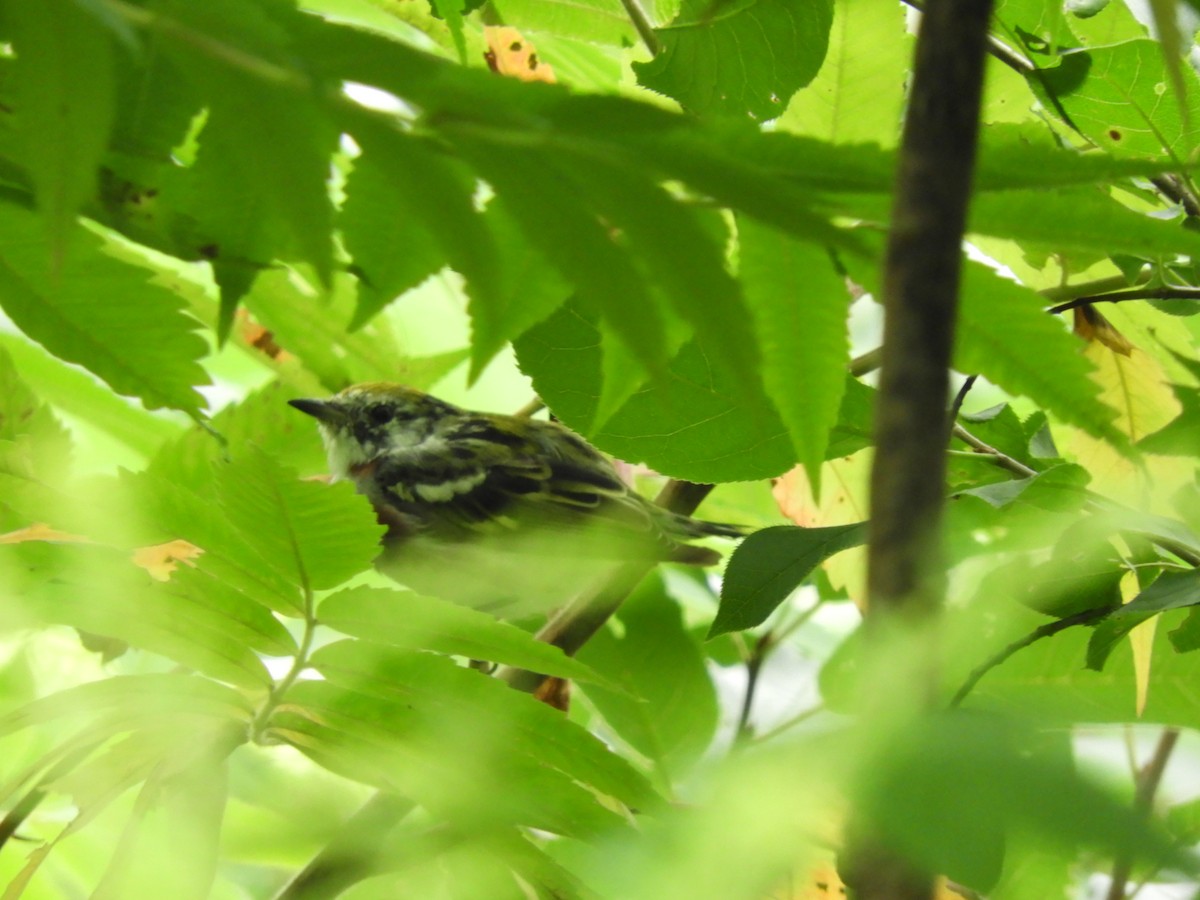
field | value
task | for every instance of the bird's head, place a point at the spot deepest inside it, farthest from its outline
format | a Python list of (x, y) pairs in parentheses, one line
[(367, 421)]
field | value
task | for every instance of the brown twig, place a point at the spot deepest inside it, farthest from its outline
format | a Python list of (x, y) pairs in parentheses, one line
[(1147, 781), (1160, 293)]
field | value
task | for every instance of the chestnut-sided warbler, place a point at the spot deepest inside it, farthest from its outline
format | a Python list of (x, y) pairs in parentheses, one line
[(441, 477)]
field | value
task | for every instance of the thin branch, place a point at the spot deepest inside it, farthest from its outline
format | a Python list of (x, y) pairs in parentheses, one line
[(1159, 293), (1087, 617), (1146, 786), (1000, 459), (754, 664), (867, 362), (790, 723), (642, 25), (1094, 502), (351, 856), (573, 625), (299, 664), (959, 398), (995, 47), (531, 408)]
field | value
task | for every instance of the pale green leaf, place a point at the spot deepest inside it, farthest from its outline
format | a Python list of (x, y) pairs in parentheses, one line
[(102, 314), (412, 622), (597, 21), (314, 535), (453, 696), (858, 95)]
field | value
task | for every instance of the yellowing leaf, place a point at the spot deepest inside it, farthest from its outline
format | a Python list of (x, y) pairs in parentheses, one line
[(511, 54), (1137, 386), (40, 531), (160, 559), (1141, 639), (843, 501)]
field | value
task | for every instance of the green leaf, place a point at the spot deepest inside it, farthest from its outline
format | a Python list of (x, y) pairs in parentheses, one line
[(32, 440), (387, 741), (799, 306), (412, 622), (949, 788), (314, 535), (696, 423), (392, 246), (1180, 436), (575, 241), (101, 592), (448, 695), (429, 191), (1059, 487), (779, 46), (1003, 334), (156, 508), (857, 96), (82, 396), (1082, 219), (682, 256), (1120, 96), (596, 21), (528, 291), (266, 137), (171, 840), (65, 94), (1171, 590), (101, 314), (147, 696), (771, 563), (666, 707)]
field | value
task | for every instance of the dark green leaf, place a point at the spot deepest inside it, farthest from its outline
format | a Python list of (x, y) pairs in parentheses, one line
[(770, 564), (799, 305), (779, 46), (698, 423), (425, 190), (65, 96), (528, 291), (1171, 590), (1180, 436), (575, 241)]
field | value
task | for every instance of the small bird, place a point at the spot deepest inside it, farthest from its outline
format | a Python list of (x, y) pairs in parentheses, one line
[(441, 477)]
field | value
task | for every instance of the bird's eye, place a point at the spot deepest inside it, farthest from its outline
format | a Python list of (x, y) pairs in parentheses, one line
[(379, 413)]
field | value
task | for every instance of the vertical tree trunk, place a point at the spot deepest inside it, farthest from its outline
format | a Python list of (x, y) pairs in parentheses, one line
[(921, 279)]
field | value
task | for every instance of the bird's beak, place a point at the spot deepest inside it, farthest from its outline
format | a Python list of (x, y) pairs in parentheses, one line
[(321, 410)]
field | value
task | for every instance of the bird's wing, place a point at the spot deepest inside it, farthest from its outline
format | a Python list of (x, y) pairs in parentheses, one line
[(487, 478)]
